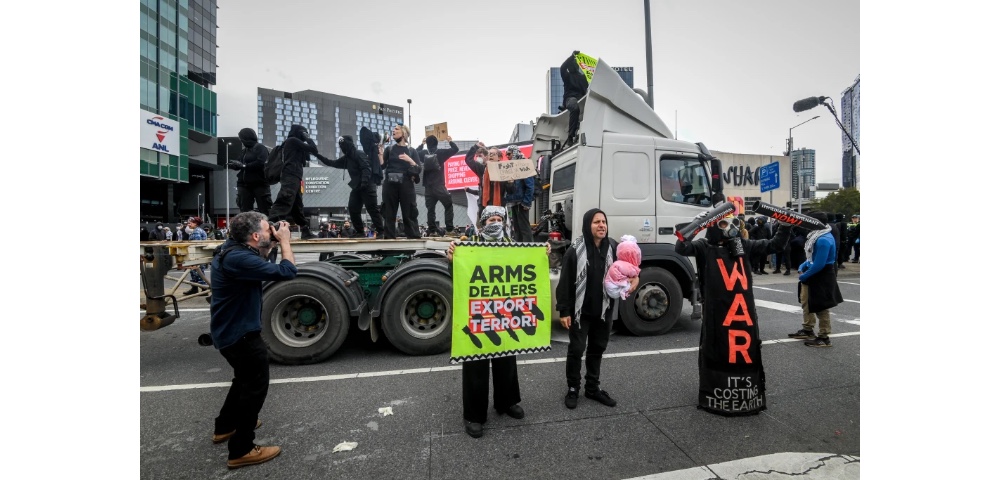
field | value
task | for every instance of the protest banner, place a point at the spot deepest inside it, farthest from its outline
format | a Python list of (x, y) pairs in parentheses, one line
[(439, 130), (511, 169), (500, 301), (588, 64)]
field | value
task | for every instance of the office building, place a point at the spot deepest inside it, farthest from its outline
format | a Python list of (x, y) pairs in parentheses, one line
[(803, 174), (554, 89), (850, 112), (177, 107)]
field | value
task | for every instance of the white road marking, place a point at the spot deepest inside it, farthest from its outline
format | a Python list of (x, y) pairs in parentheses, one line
[(784, 307), (852, 301), (386, 373), (182, 310), (770, 289), (850, 283)]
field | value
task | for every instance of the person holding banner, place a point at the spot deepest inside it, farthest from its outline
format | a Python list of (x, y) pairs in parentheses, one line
[(476, 373), (575, 86), (490, 192), (731, 376), (433, 160), (585, 308)]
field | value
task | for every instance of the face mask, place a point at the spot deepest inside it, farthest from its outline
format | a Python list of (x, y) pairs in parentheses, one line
[(189, 230), (493, 231)]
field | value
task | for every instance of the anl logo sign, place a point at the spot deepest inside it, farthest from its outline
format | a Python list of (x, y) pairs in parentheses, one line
[(158, 133)]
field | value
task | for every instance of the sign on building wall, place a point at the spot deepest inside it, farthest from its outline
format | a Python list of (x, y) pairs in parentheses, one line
[(158, 133)]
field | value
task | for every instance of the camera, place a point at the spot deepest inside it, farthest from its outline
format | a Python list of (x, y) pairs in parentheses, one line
[(275, 226)]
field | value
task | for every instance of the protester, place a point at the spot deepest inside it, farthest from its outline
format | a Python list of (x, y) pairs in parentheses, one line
[(520, 194), (295, 151), (143, 234), (251, 186), (348, 231), (854, 237), (575, 87), (730, 340), (433, 160), (398, 193), (240, 271), (195, 233), (818, 289), (363, 188), (169, 235), (490, 192), (159, 234), (584, 306), (759, 232)]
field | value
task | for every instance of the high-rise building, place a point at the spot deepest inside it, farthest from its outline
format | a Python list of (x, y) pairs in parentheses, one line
[(803, 172), (554, 89), (850, 111), (327, 116), (177, 106)]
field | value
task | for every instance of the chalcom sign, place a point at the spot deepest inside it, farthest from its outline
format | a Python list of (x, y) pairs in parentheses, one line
[(158, 133), (501, 301), (731, 376)]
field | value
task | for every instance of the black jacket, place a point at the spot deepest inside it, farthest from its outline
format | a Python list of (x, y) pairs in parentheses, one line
[(574, 81), (394, 165), (593, 297), (254, 159), (296, 153), (751, 248), (433, 177), (354, 161)]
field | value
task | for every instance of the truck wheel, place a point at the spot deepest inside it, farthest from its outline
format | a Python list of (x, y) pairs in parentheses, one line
[(417, 314), (655, 306), (304, 321)]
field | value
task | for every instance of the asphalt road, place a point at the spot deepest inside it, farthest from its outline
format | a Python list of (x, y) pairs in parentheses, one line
[(813, 398)]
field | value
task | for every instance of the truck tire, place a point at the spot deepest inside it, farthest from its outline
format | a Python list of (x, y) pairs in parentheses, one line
[(416, 318), (655, 306), (304, 321)]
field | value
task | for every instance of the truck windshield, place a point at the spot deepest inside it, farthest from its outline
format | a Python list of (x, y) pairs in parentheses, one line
[(683, 180)]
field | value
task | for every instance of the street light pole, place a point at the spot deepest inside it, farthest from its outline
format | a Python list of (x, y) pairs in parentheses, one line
[(409, 114), (228, 192), (197, 207), (649, 61), (790, 149)]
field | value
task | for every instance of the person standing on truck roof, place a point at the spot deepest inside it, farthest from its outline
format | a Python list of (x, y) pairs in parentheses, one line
[(240, 272), (433, 160), (520, 193), (584, 306), (490, 192), (575, 87), (476, 373), (288, 205), (251, 186), (363, 189), (402, 170)]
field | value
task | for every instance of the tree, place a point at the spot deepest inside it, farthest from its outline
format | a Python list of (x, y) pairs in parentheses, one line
[(846, 201)]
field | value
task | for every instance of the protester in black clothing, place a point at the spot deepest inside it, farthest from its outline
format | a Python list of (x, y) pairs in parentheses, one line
[(296, 150), (399, 162), (844, 252), (363, 189), (759, 232), (143, 234), (348, 231), (250, 183), (575, 87), (835, 231), (239, 273), (433, 159), (854, 237), (584, 306), (797, 248)]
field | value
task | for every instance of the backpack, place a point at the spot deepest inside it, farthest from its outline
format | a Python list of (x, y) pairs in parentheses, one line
[(431, 163), (275, 163), (369, 144)]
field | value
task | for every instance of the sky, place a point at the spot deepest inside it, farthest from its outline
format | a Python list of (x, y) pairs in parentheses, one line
[(725, 73)]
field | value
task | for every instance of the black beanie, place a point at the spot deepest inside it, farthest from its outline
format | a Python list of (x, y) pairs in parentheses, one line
[(432, 142), (818, 216)]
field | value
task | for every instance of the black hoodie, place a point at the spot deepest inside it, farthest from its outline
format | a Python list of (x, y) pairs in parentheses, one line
[(356, 163), (574, 81), (254, 158), (434, 177), (596, 265), (296, 150)]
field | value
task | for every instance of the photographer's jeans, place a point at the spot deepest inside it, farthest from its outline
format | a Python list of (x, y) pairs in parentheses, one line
[(251, 376)]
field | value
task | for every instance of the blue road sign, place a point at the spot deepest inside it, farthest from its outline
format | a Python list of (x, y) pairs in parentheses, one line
[(769, 177)]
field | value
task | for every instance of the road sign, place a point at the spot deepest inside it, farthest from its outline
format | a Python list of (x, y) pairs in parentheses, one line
[(769, 177)]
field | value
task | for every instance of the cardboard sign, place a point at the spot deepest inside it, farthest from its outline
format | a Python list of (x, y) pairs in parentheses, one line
[(511, 169), (501, 301), (439, 130), (588, 64)]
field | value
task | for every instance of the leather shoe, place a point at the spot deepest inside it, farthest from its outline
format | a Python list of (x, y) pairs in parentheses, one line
[(601, 396), (515, 411), (257, 455), (475, 430), (222, 437)]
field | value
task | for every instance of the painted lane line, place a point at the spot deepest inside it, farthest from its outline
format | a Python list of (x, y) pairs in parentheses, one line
[(852, 301), (849, 283), (770, 289), (389, 373), (784, 307)]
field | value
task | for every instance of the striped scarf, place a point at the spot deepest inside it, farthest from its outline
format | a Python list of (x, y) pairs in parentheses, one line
[(581, 277)]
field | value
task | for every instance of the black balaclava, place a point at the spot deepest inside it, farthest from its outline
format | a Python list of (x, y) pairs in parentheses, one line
[(299, 132), (248, 137), (432, 143), (819, 216), (714, 235), (347, 145), (588, 236)]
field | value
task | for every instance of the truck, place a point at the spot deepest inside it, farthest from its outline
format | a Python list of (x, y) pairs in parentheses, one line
[(626, 160)]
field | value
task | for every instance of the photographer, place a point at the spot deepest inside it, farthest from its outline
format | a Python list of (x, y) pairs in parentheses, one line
[(398, 193), (433, 160), (238, 275), (250, 183)]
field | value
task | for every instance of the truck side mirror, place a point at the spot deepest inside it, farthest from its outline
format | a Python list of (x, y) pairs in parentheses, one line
[(716, 175)]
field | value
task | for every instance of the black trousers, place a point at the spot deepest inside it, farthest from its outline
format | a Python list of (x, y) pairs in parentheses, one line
[(574, 116), (368, 197), (251, 376), (476, 387), (433, 195), (592, 334), (520, 223), (288, 205), (400, 197), (857, 252), (246, 195)]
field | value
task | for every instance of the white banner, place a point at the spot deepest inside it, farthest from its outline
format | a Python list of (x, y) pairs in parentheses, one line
[(158, 133)]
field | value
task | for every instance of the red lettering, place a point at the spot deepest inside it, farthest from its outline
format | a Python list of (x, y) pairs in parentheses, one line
[(736, 313), (739, 273), (742, 348)]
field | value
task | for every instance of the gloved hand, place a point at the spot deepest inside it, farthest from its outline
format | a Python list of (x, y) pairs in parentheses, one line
[(365, 181), (236, 165)]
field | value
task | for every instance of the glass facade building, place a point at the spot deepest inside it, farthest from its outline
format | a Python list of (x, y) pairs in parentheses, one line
[(803, 172), (176, 73), (850, 112), (554, 88)]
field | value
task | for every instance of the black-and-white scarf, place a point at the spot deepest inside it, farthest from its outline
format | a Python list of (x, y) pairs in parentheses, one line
[(581, 277), (811, 238)]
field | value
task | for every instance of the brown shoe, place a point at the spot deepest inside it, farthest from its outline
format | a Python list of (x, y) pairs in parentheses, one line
[(222, 437), (259, 454)]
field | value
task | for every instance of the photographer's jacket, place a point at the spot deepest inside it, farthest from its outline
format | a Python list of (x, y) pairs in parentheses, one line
[(237, 290)]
